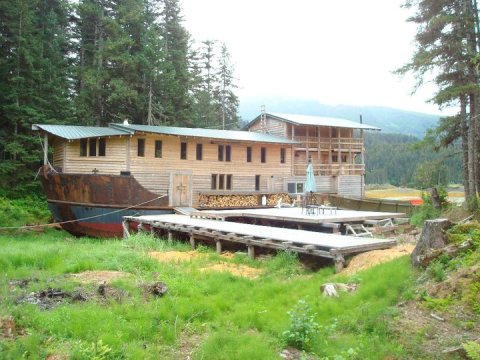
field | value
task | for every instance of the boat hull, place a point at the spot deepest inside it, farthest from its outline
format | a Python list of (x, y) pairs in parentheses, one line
[(94, 205)]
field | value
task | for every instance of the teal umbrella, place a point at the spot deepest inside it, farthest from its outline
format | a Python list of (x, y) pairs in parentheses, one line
[(310, 185)]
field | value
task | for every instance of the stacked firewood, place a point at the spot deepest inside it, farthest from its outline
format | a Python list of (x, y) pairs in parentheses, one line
[(229, 201), (274, 199)]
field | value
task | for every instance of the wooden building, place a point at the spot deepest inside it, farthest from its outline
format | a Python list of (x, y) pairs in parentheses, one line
[(334, 146), (185, 163)]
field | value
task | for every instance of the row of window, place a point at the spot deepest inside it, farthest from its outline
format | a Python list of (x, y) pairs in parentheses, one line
[(224, 152), (224, 182), (92, 147)]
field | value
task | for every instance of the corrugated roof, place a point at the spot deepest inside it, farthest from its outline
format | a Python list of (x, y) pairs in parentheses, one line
[(231, 135), (318, 121), (72, 132)]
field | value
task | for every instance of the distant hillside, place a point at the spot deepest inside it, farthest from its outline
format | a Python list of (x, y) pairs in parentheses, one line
[(388, 119)]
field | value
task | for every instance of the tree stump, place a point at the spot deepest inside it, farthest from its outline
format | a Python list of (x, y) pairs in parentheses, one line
[(432, 237)]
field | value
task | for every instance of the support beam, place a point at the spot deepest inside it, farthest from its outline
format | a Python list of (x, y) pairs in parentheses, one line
[(251, 251), (45, 149), (192, 241), (169, 237), (125, 226), (218, 244)]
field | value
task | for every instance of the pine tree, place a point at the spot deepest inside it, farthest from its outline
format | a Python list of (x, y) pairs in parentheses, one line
[(35, 84), (448, 43)]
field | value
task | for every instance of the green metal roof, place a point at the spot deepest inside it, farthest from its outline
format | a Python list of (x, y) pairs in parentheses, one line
[(315, 121), (71, 132), (231, 135)]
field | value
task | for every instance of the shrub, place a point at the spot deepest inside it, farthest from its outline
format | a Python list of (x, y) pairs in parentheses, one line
[(472, 349), (303, 327)]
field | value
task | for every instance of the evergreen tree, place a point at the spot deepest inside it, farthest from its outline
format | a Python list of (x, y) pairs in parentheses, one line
[(448, 43), (35, 83)]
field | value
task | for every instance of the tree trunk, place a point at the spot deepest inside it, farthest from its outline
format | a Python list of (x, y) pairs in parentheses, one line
[(432, 237), (464, 135)]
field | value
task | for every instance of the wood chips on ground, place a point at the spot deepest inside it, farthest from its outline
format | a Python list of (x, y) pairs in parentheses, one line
[(372, 258), (174, 256), (235, 269), (100, 277)]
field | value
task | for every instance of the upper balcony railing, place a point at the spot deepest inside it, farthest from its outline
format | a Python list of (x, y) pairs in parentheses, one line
[(355, 144), (329, 169)]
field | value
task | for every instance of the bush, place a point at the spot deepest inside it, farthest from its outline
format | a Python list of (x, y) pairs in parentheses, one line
[(303, 327), (472, 349), (19, 212)]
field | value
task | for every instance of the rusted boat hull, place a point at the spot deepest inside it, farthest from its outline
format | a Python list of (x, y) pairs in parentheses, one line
[(93, 205)]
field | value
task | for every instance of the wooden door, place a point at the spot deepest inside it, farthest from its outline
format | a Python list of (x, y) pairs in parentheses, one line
[(181, 190)]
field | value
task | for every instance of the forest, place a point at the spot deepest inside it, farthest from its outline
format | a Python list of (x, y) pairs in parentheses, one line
[(101, 61)]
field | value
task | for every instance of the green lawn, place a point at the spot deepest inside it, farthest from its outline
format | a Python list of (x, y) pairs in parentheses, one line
[(212, 315)]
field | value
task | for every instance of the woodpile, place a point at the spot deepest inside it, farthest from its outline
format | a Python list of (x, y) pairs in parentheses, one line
[(233, 201)]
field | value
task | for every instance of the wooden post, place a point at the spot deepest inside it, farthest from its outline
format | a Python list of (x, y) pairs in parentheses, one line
[(45, 149), (251, 251), (218, 244), (339, 262), (125, 226), (170, 236), (192, 241)]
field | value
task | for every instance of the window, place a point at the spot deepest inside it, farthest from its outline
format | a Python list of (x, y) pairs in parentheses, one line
[(199, 151), (249, 154), (102, 147), (158, 148), (89, 146), (282, 155), (228, 152), (214, 181), (335, 158), (92, 147), (83, 147), (257, 182), (295, 187), (221, 182), (229, 182), (220, 152), (141, 147), (183, 150), (344, 158), (263, 155)]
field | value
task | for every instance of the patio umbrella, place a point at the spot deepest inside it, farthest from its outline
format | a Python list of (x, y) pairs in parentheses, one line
[(310, 185)]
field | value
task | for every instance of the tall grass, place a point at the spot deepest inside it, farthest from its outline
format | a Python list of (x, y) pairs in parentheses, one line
[(233, 317)]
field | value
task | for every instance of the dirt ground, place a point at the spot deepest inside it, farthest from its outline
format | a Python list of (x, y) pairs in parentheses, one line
[(235, 269), (371, 258), (174, 256), (99, 277)]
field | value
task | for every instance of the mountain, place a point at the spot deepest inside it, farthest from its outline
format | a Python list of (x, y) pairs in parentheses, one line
[(390, 120)]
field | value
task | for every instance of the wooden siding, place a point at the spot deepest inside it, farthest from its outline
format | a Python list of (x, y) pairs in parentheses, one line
[(113, 162), (58, 154), (325, 184), (275, 127), (350, 185)]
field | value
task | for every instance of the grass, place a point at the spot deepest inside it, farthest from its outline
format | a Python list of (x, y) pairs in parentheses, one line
[(212, 315)]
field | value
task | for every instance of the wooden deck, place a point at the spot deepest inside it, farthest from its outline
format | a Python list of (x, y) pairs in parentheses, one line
[(330, 246), (295, 214)]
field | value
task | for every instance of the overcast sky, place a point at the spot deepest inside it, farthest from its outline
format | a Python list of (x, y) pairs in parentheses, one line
[(337, 52)]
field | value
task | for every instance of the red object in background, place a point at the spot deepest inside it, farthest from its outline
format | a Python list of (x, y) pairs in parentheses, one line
[(416, 202)]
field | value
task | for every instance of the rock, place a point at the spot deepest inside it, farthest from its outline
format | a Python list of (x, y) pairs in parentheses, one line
[(332, 289), (432, 237)]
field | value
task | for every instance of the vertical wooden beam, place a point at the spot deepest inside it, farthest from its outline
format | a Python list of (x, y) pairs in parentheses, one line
[(251, 251), (218, 244), (45, 149), (192, 241), (169, 237), (128, 161), (339, 262), (125, 226)]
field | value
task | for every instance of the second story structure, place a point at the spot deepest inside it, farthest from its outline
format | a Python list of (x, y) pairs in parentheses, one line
[(334, 146)]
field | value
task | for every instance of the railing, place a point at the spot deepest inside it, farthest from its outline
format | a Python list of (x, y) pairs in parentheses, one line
[(329, 143), (329, 169)]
